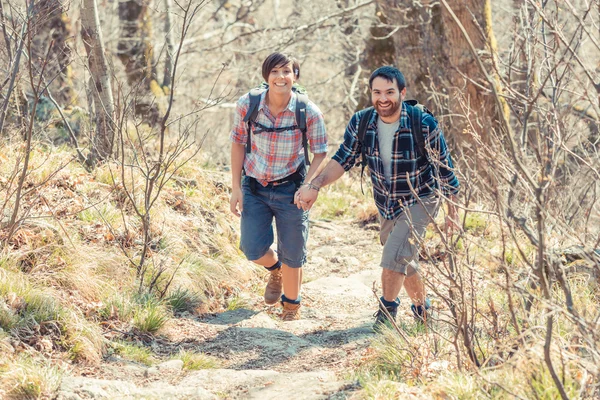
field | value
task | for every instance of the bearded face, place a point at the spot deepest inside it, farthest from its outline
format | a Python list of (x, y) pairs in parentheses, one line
[(386, 98), (387, 108)]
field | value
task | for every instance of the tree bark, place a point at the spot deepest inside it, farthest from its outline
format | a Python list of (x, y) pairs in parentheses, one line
[(136, 52), (379, 50), (91, 34), (52, 27), (436, 59), (167, 78)]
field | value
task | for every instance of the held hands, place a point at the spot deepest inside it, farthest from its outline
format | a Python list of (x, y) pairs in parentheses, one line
[(236, 203), (306, 196)]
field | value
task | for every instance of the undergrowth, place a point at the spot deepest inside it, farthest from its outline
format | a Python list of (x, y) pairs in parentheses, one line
[(67, 275)]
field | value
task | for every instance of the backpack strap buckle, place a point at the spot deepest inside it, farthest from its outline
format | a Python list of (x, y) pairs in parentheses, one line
[(250, 117)]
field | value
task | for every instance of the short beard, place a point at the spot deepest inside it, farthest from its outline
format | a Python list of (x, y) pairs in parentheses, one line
[(389, 112)]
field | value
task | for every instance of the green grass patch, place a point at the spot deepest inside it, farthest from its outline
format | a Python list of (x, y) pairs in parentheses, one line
[(475, 223), (542, 386), (182, 299), (332, 205), (133, 352), (8, 319), (102, 213), (119, 307), (237, 303), (28, 378), (344, 199), (193, 361), (150, 315)]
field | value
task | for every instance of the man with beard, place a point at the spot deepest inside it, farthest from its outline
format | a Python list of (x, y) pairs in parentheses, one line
[(407, 187)]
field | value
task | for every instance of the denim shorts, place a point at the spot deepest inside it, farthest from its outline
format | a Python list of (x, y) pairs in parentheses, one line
[(260, 208), (400, 247)]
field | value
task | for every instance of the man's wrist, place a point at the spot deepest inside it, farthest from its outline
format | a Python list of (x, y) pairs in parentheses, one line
[(311, 186)]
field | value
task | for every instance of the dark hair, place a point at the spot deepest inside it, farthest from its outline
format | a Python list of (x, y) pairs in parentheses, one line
[(388, 73), (275, 60)]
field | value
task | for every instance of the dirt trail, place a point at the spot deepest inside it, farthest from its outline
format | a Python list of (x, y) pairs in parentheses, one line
[(262, 357)]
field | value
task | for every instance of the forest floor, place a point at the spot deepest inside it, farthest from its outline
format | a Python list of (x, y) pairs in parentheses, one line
[(260, 356)]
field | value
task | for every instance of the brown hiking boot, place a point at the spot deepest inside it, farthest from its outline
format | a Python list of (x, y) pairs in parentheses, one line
[(291, 312), (274, 287)]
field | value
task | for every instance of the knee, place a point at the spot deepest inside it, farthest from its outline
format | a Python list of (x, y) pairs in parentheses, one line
[(411, 270)]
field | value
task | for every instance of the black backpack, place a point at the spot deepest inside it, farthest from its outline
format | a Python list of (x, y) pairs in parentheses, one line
[(415, 112), (301, 103)]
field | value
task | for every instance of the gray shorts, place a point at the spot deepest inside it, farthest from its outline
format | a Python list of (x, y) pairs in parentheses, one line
[(400, 247)]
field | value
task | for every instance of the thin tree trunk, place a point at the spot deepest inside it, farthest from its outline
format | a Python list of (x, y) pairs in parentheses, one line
[(13, 77), (91, 34), (5, 34), (136, 52), (170, 44)]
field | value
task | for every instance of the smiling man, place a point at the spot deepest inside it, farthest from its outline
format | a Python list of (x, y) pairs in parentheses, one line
[(407, 184)]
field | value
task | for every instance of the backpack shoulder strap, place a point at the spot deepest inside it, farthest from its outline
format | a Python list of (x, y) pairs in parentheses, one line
[(415, 111), (363, 124), (251, 114), (301, 104)]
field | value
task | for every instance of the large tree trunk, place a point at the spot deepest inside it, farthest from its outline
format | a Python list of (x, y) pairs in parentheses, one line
[(101, 83), (136, 52), (379, 50), (470, 86), (437, 61)]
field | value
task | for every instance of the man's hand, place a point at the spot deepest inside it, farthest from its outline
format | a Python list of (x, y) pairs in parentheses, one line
[(236, 203), (305, 197)]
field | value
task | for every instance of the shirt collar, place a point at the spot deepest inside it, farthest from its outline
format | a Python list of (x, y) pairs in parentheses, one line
[(291, 104)]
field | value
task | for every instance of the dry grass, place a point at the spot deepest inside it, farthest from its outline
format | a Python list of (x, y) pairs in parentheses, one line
[(26, 377), (63, 278), (428, 364)]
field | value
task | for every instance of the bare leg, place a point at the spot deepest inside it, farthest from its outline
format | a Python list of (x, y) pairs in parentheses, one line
[(415, 289), (268, 260), (391, 283), (292, 279)]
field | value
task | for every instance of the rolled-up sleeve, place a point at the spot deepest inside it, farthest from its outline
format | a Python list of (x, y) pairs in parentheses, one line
[(440, 155), (239, 132), (349, 150)]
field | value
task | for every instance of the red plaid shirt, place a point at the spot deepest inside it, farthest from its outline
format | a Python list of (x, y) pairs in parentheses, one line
[(276, 155)]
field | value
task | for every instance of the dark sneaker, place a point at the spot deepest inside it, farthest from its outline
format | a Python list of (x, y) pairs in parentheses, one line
[(422, 313), (382, 319), (274, 287)]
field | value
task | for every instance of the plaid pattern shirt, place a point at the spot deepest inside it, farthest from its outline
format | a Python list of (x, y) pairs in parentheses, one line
[(276, 155), (425, 178)]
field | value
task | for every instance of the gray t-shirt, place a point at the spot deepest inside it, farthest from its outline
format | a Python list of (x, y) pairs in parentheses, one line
[(385, 135)]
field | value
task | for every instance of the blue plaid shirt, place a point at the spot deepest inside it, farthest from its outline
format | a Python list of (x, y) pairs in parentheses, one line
[(424, 177)]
